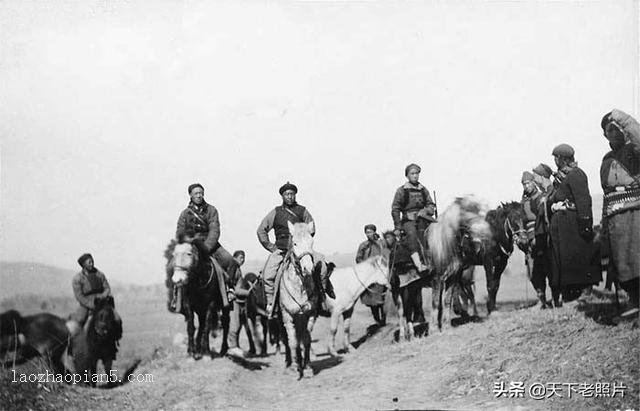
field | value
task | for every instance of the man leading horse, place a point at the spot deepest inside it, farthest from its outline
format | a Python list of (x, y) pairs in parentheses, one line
[(278, 220)]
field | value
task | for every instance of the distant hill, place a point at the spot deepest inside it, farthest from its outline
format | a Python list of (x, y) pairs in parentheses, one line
[(22, 278), (33, 278)]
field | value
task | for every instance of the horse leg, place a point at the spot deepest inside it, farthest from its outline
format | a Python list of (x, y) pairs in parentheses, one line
[(333, 329), (206, 348), (491, 294), (225, 320), (310, 325), (262, 328), (292, 341), (191, 329), (107, 370), (436, 304), (198, 339), (498, 269), (249, 328), (306, 341), (299, 329), (408, 308), (346, 316), (401, 318)]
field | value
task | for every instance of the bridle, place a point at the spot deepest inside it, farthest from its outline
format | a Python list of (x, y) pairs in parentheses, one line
[(511, 234), (291, 257)]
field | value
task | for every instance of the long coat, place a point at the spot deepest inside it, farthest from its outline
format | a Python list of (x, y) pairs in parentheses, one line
[(572, 254)]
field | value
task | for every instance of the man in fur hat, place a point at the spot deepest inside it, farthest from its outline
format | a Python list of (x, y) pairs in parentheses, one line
[(277, 220), (89, 284)]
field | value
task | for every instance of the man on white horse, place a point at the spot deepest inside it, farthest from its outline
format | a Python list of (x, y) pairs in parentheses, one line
[(277, 220)]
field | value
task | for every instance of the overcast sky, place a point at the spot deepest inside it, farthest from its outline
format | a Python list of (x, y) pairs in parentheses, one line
[(109, 110)]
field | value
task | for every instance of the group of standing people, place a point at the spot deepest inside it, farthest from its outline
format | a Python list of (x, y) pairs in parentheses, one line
[(562, 247)]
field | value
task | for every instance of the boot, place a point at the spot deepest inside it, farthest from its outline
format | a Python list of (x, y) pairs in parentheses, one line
[(543, 299)]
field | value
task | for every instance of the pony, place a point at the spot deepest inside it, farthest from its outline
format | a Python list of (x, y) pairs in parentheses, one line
[(98, 340), (457, 236), (256, 324), (41, 335), (195, 289), (349, 283), (298, 294), (507, 227)]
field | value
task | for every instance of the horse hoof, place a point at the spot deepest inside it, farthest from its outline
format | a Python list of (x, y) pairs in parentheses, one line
[(333, 352), (191, 359), (350, 348), (306, 373)]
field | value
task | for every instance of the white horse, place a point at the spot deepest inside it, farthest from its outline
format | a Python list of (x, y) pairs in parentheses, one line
[(461, 226), (348, 284), (297, 293)]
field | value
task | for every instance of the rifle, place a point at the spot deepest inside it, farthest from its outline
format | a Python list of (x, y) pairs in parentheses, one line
[(435, 203)]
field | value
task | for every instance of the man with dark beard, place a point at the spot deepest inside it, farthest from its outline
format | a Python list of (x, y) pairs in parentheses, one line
[(571, 227), (620, 179)]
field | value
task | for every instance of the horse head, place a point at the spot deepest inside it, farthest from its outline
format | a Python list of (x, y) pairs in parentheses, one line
[(185, 260), (302, 245), (104, 318), (465, 219), (514, 223)]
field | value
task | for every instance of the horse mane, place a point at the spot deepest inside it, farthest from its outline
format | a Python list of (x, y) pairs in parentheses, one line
[(497, 216)]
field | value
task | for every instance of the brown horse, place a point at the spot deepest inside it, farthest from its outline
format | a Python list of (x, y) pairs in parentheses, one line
[(97, 341), (44, 335), (195, 290)]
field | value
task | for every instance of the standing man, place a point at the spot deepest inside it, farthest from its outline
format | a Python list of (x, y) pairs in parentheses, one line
[(202, 218), (541, 246), (571, 227), (239, 304), (620, 179), (277, 220), (372, 297), (409, 200), (89, 284), (531, 201), (371, 246)]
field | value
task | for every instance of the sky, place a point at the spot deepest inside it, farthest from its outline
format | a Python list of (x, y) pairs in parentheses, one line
[(109, 110)]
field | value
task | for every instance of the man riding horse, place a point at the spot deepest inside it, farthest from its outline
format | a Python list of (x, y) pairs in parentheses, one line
[(413, 209), (88, 285), (202, 219), (277, 220)]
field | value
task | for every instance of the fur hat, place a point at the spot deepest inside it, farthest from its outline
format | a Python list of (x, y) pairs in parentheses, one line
[(526, 176), (84, 257), (288, 186), (543, 170), (410, 167), (563, 150), (194, 185), (370, 227)]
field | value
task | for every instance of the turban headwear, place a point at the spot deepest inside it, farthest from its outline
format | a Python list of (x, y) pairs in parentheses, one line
[(526, 176), (239, 253), (563, 150), (543, 170), (410, 167), (370, 227), (195, 185), (84, 257), (288, 186), (605, 120)]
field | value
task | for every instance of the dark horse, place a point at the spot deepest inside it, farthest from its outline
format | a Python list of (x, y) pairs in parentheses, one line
[(195, 288), (44, 335), (506, 224), (97, 341)]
